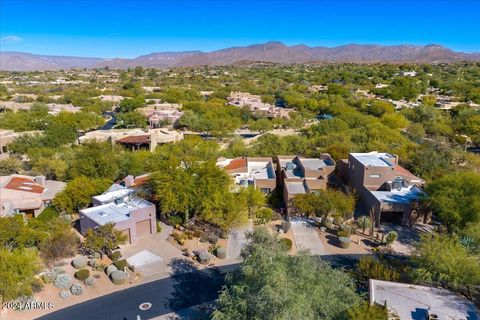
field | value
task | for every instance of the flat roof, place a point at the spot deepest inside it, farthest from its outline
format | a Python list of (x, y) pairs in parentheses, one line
[(111, 195), (376, 159), (414, 302), (404, 195), (312, 163), (109, 212), (295, 187)]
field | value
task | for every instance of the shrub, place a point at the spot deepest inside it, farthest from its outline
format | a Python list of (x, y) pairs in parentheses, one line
[(79, 262), (189, 234), (64, 294), (197, 233), (37, 285), (121, 264), (287, 243), (90, 281), (391, 237), (223, 234), (204, 257), (344, 242), (175, 220), (99, 265), (263, 215), (111, 268), (118, 277), (343, 234), (159, 227), (221, 253), (82, 274), (328, 223), (213, 248), (213, 239), (63, 281), (115, 255), (179, 237), (50, 275), (76, 289), (370, 268)]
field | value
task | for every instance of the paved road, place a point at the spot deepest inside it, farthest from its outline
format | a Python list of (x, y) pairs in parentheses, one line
[(185, 288), (306, 237)]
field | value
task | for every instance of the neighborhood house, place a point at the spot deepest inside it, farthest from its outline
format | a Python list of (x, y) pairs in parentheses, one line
[(121, 206), (26, 195)]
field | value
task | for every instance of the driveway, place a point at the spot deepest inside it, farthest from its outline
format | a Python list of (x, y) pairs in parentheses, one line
[(236, 241), (306, 237), (151, 254)]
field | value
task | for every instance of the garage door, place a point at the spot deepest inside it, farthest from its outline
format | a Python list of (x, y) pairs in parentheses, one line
[(127, 232), (143, 228)]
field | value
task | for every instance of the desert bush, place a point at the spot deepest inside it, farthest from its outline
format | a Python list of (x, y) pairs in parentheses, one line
[(64, 294), (189, 234), (90, 281), (263, 215), (82, 274), (76, 289), (121, 264), (204, 257), (344, 242), (111, 268), (99, 265), (197, 233), (118, 277), (175, 220), (37, 285), (50, 275), (221, 253), (343, 234), (328, 222), (223, 234), (287, 243), (115, 255), (213, 248), (391, 237), (63, 281), (213, 239), (79, 262), (159, 227), (371, 268), (179, 237)]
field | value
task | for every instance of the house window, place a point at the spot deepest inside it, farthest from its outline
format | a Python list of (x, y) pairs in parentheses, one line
[(374, 176)]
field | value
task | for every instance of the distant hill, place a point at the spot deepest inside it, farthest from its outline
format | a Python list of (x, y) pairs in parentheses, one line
[(276, 52)]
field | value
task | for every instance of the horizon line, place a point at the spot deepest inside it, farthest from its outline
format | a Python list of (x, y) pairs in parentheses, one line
[(247, 45)]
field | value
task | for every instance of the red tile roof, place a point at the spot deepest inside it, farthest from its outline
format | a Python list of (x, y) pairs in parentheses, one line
[(237, 163), (402, 171), (143, 139), (24, 184)]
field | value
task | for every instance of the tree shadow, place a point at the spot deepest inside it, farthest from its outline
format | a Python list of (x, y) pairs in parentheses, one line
[(332, 240), (193, 286)]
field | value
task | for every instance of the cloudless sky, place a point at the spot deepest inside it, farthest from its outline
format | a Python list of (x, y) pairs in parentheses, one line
[(128, 28)]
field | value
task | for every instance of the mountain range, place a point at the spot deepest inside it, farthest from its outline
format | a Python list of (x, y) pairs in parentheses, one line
[(275, 52)]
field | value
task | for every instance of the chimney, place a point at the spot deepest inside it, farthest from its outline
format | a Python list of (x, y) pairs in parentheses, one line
[(129, 181), (41, 180)]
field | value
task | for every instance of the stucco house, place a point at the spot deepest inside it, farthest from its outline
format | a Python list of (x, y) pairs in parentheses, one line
[(27, 195), (120, 205)]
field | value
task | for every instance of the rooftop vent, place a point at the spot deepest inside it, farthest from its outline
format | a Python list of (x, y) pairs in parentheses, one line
[(397, 183)]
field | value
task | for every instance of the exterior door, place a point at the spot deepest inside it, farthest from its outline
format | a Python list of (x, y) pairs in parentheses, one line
[(144, 228)]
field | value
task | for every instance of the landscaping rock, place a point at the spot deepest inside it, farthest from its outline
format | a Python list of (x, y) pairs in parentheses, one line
[(221, 253), (90, 281), (118, 277), (111, 268), (344, 242), (79, 262), (204, 257)]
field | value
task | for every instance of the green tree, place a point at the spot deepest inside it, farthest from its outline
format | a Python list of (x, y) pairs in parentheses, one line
[(78, 193), (273, 285), (10, 165), (17, 271), (130, 104), (104, 239), (131, 119), (253, 199), (455, 198), (441, 259), (61, 243), (365, 311)]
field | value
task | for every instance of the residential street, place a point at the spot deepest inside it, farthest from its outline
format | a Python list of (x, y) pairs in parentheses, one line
[(185, 288)]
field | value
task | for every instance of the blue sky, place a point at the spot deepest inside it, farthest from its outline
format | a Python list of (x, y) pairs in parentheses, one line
[(127, 28)]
